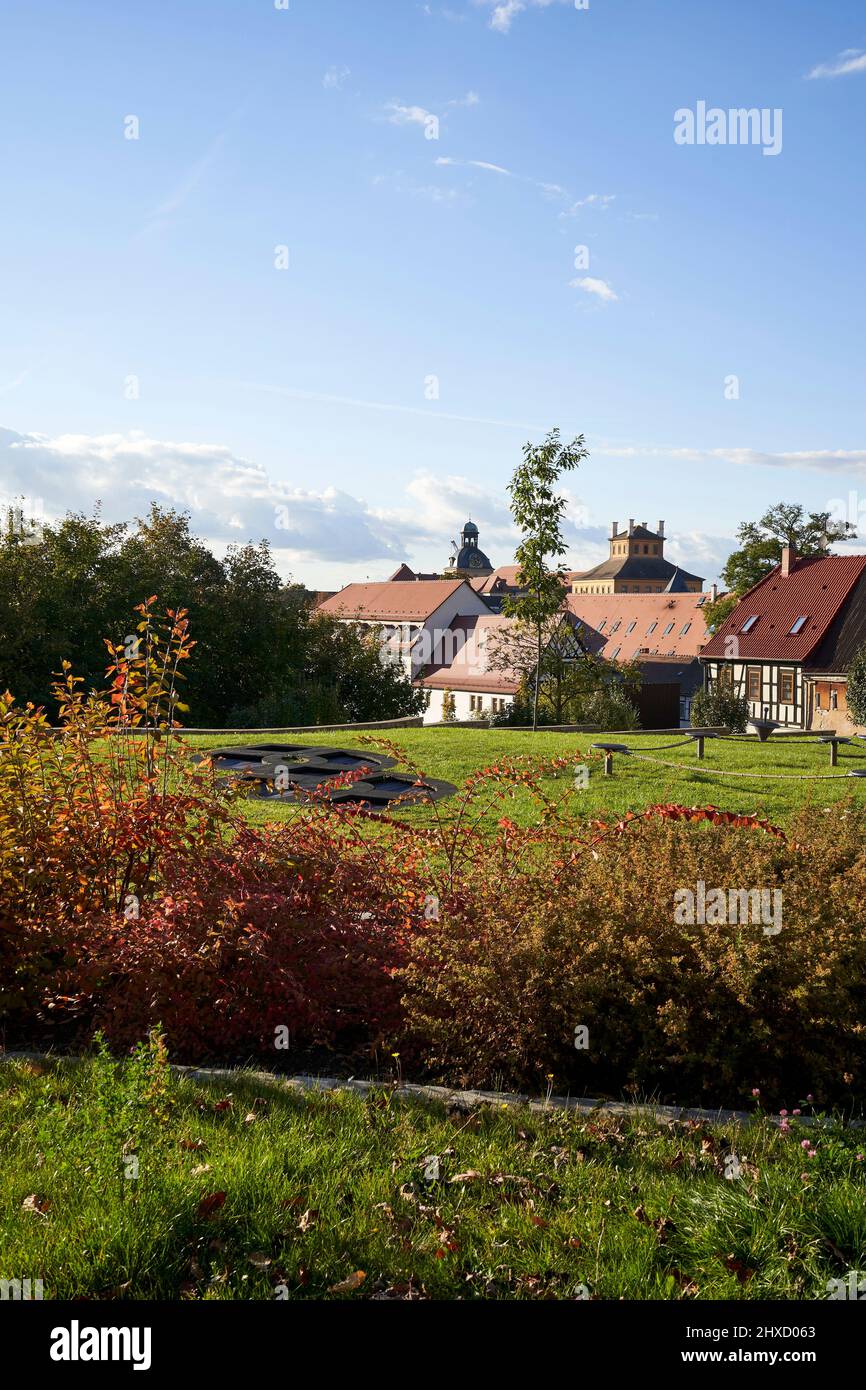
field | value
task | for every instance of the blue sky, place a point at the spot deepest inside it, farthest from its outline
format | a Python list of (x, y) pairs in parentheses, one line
[(152, 348)]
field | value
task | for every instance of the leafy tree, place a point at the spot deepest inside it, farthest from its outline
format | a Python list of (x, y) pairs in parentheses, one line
[(721, 707), (715, 614), (262, 657), (537, 510), (572, 679), (761, 542), (856, 689)]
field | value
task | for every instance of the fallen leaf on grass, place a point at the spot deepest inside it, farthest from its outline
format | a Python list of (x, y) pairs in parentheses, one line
[(38, 1205), (309, 1219), (225, 1104), (199, 1169), (470, 1176), (349, 1285), (193, 1144), (259, 1260), (210, 1205), (743, 1272)]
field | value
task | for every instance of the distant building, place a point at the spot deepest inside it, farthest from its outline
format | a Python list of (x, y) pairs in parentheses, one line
[(636, 565), (789, 642), (467, 559), (476, 675), (662, 633), (409, 617)]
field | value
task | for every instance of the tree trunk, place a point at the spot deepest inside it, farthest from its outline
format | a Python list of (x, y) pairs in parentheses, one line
[(537, 677)]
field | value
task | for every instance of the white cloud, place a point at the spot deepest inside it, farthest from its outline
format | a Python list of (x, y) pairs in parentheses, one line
[(335, 77), (470, 99), (398, 114), (599, 201), (505, 11), (473, 164), (322, 533), (851, 60), (600, 288)]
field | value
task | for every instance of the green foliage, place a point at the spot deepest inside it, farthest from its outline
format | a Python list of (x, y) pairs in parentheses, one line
[(720, 706), (264, 658), (715, 614), (538, 510), (761, 542), (856, 691)]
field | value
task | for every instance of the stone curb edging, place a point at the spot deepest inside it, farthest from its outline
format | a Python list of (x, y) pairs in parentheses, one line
[(457, 1099)]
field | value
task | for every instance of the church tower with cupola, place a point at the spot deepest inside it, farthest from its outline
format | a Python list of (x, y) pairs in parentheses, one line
[(468, 560)]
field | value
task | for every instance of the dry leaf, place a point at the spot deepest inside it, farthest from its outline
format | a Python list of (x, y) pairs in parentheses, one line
[(210, 1205), (38, 1205), (349, 1285), (309, 1219)]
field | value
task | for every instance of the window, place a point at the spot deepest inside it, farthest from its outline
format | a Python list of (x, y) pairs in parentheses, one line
[(726, 677), (684, 630), (651, 629), (601, 624), (834, 699), (669, 628), (615, 653), (701, 601), (817, 699), (798, 626), (617, 624), (631, 625), (786, 687), (750, 623), (753, 683)]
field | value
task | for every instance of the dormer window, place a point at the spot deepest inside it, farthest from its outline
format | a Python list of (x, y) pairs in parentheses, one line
[(651, 629), (798, 626), (750, 623), (668, 629)]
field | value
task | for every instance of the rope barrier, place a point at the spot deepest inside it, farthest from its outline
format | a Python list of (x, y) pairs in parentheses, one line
[(721, 772)]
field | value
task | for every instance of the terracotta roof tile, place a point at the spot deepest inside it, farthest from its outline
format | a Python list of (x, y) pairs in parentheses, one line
[(393, 600), (644, 610), (816, 589)]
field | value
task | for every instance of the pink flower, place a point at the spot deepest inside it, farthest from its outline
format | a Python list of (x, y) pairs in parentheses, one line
[(810, 1097), (783, 1113), (755, 1091), (859, 1158), (796, 1112), (805, 1144)]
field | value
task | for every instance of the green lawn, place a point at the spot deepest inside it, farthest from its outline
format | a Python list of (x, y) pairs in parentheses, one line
[(262, 1193), (455, 753)]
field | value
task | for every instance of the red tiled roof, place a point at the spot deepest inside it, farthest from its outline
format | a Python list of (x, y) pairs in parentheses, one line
[(816, 589), (644, 610), (394, 600)]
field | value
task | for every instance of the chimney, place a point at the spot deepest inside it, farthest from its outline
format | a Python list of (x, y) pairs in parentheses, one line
[(615, 525), (644, 525), (661, 528), (714, 592), (630, 525), (789, 558)]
